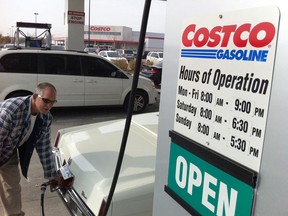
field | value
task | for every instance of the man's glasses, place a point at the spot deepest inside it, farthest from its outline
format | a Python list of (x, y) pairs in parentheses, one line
[(46, 100)]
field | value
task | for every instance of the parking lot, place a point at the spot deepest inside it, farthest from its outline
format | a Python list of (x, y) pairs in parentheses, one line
[(63, 118)]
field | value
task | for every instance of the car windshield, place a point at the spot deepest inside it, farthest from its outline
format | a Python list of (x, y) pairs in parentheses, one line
[(129, 51), (161, 55), (112, 54)]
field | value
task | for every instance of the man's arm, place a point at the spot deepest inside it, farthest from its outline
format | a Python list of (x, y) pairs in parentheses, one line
[(44, 150)]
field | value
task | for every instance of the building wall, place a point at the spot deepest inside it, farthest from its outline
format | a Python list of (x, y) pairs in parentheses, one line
[(118, 37), (154, 44)]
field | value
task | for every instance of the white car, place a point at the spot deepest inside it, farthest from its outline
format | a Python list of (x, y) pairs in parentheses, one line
[(8, 46), (91, 151), (92, 50), (111, 55), (126, 53), (154, 57), (80, 79)]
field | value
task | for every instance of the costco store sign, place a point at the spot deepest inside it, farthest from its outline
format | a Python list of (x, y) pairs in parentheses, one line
[(100, 28)]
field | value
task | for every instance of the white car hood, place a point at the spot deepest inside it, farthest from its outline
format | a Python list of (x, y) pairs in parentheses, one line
[(92, 152)]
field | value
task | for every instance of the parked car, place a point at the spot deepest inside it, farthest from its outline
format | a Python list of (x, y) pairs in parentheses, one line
[(111, 55), (135, 53), (90, 152), (145, 53), (90, 50), (153, 72), (57, 47), (8, 46), (98, 50), (81, 79), (126, 53), (154, 57)]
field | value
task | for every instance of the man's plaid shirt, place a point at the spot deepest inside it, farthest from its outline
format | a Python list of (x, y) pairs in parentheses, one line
[(14, 124)]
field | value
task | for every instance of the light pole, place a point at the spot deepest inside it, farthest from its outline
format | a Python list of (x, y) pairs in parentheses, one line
[(36, 14), (89, 26), (12, 34)]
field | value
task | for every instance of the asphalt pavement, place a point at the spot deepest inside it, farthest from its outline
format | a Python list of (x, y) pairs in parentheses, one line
[(62, 118)]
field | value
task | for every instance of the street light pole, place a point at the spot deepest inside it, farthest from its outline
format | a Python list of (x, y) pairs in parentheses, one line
[(89, 26), (35, 22), (12, 34)]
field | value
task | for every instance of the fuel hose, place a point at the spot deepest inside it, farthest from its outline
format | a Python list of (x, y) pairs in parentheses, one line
[(43, 189), (131, 103)]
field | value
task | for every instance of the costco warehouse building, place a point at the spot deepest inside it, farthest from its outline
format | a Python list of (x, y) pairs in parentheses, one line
[(118, 37)]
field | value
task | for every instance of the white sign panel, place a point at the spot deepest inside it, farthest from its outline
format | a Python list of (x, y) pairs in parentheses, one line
[(76, 17), (224, 81)]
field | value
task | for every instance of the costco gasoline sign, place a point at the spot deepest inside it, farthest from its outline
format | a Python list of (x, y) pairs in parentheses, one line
[(224, 81)]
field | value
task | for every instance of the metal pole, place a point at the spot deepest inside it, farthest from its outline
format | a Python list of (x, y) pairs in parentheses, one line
[(12, 34), (89, 25), (35, 22)]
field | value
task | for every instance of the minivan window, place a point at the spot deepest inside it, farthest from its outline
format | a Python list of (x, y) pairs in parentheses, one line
[(61, 64), (97, 67), (73, 65), (53, 64), (19, 63)]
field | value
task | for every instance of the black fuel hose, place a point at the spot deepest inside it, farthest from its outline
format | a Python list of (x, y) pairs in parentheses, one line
[(43, 189), (131, 103)]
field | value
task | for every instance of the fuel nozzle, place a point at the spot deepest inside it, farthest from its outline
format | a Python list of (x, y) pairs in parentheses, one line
[(65, 179), (43, 187)]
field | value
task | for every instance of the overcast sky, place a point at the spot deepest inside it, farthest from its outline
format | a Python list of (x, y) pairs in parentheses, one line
[(103, 12)]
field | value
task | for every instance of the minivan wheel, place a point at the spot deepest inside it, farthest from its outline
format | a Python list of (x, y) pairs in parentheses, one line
[(140, 102), (18, 94)]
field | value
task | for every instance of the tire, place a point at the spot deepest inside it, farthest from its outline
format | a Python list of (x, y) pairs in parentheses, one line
[(18, 94), (156, 78), (140, 102)]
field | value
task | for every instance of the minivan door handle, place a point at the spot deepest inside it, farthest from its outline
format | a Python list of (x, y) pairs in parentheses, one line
[(91, 81), (78, 81)]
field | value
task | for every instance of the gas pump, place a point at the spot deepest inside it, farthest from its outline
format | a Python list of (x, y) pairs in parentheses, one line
[(38, 41)]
